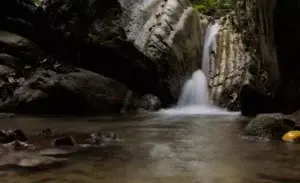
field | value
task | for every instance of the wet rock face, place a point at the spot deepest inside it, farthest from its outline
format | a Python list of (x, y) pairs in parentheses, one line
[(228, 63), (64, 141)]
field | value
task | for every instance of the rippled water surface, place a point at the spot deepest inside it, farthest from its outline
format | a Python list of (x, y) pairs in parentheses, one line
[(167, 149)]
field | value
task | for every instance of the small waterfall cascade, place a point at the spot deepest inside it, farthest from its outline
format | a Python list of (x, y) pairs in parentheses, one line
[(194, 98), (210, 49), (194, 90)]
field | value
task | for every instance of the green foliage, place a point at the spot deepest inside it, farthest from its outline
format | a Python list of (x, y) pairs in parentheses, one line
[(37, 2), (207, 5)]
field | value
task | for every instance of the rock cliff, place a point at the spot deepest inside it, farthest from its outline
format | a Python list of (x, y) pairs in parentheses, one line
[(231, 62), (168, 33), (148, 47), (272, 35)]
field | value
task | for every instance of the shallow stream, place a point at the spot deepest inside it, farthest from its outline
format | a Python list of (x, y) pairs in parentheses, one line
[(162, 148)]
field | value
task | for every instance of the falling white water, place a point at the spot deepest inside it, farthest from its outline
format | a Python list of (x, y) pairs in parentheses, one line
[(210, 45), (194, 91), (194, 98)]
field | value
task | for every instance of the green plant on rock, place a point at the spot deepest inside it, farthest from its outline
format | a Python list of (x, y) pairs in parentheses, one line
[(205, 6)]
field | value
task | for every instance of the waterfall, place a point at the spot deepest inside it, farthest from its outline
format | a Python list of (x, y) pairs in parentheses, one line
[(194, 98), (210, 46), (194, 90)]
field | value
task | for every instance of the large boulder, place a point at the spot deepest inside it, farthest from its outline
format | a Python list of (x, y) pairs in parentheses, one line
[(272, 126), (79, 91), (269, 126)]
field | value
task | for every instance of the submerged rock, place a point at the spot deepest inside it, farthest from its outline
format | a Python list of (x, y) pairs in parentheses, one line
[(46, 133), (110, 136), (19, 135), (96, 139), (28, 159), (8, 136), (56, 152), (64, 141), (102, 138), (40, 162), (40, 154), (17, 145)]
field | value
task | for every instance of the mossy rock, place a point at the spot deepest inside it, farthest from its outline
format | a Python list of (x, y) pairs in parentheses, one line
[(269, 126)]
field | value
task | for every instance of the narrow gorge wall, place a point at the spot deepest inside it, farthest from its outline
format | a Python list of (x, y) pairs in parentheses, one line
[(270, 30)]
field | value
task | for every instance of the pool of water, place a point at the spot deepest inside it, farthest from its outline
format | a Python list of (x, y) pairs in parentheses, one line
[(167, 149)]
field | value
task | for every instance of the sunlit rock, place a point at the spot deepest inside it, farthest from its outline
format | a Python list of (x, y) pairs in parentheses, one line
[(168, 33)]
